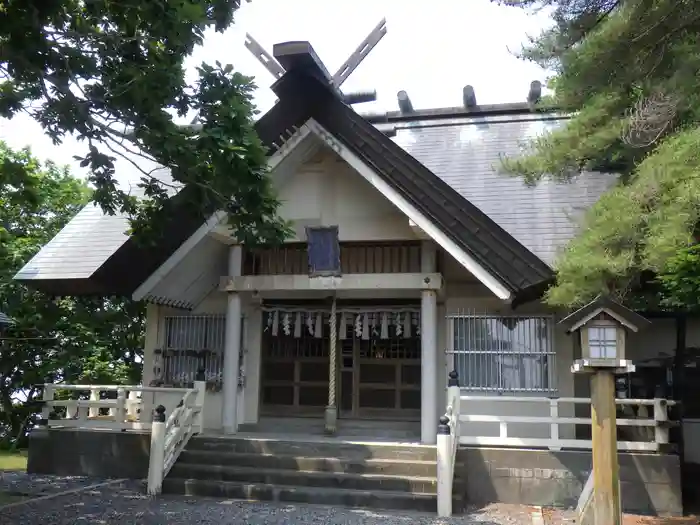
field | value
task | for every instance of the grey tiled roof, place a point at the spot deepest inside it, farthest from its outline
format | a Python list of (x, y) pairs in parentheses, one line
[(80, 248), (83, 245), (5, 319), (466, 153)]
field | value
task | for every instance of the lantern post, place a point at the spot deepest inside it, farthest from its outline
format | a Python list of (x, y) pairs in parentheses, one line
[(602, 327)]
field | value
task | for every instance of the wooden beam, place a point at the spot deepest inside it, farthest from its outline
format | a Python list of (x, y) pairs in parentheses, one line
[(360, 281), (267, 60), (360, 53), (606, 475)]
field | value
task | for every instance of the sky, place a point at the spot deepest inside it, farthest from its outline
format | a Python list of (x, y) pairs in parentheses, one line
[(430, 52)]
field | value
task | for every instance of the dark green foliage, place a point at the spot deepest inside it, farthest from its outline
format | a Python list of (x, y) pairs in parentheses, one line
[(628, 72), (111, 72), (79, 340)]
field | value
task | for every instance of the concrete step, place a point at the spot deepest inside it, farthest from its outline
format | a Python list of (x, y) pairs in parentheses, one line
[(366, 482), (382, 499), (291, 447), (282, 427), (307, 425), (386, 467)]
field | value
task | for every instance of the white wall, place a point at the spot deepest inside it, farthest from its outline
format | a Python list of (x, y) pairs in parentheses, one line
[(325, 191)]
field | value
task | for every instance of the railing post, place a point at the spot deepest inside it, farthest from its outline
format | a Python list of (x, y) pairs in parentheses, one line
[(71, 410), (201, 385), (157, 456), (48, 395), (503, 430), (661, 433), (132, 405), (120, 409), (148, 400), (94, 396), (444, 472), (554, 426), (454, 395), (452, 386)]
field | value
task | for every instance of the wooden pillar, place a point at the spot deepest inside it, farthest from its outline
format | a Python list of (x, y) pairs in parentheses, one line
[(429, 353), (232, 348), (606, 479)]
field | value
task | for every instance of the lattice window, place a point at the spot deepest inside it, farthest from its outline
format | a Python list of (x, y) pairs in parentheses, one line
[(386, 335), (191, 343), (378, 359), (295, 335), (504, 354), (602, 341)]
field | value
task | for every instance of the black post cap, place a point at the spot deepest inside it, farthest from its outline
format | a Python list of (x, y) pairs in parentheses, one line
[(444, 426), (201, 375), (453, 378), (159, 416)]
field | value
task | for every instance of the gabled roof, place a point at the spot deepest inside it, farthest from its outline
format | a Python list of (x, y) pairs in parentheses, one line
[(477, 234), (305, 94)]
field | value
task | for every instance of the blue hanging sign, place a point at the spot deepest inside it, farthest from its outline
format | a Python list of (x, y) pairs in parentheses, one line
[(323, 251)]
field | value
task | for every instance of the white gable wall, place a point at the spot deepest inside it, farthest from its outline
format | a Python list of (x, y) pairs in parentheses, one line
[(325, 191)]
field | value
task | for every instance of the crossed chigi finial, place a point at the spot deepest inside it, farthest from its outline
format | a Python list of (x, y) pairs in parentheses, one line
[(337, 80)]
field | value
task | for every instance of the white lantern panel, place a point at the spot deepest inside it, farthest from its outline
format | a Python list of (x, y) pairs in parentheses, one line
[(602, 342)]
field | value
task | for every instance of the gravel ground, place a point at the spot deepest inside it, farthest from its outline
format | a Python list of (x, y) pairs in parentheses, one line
[(125, 503), (568, 517), (34, 485)]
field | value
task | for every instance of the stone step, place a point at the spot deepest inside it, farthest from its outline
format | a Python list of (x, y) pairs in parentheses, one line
[(366, 482), (380, 499), (290, 447), (387, 467), (308, 424)]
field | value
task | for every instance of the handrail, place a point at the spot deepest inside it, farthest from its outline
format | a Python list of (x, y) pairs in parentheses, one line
[(170, 436), (130, 410), (653, 424), (447, 443), (112, 388)]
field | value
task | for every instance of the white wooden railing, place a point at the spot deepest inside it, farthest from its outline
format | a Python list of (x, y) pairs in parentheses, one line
[(447, 443), (169, 436), (651, 414), (131, 409)]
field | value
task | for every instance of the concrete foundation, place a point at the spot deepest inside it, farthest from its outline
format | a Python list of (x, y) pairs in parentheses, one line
[(651, 483), (101, 454)]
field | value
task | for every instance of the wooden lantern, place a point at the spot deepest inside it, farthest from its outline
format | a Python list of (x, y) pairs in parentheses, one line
[(602, 326)]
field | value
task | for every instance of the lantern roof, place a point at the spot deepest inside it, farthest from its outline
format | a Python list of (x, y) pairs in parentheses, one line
[(604, 305)]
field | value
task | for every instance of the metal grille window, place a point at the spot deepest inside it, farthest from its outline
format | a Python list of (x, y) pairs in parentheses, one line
[(191, 342), (504, 353)]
